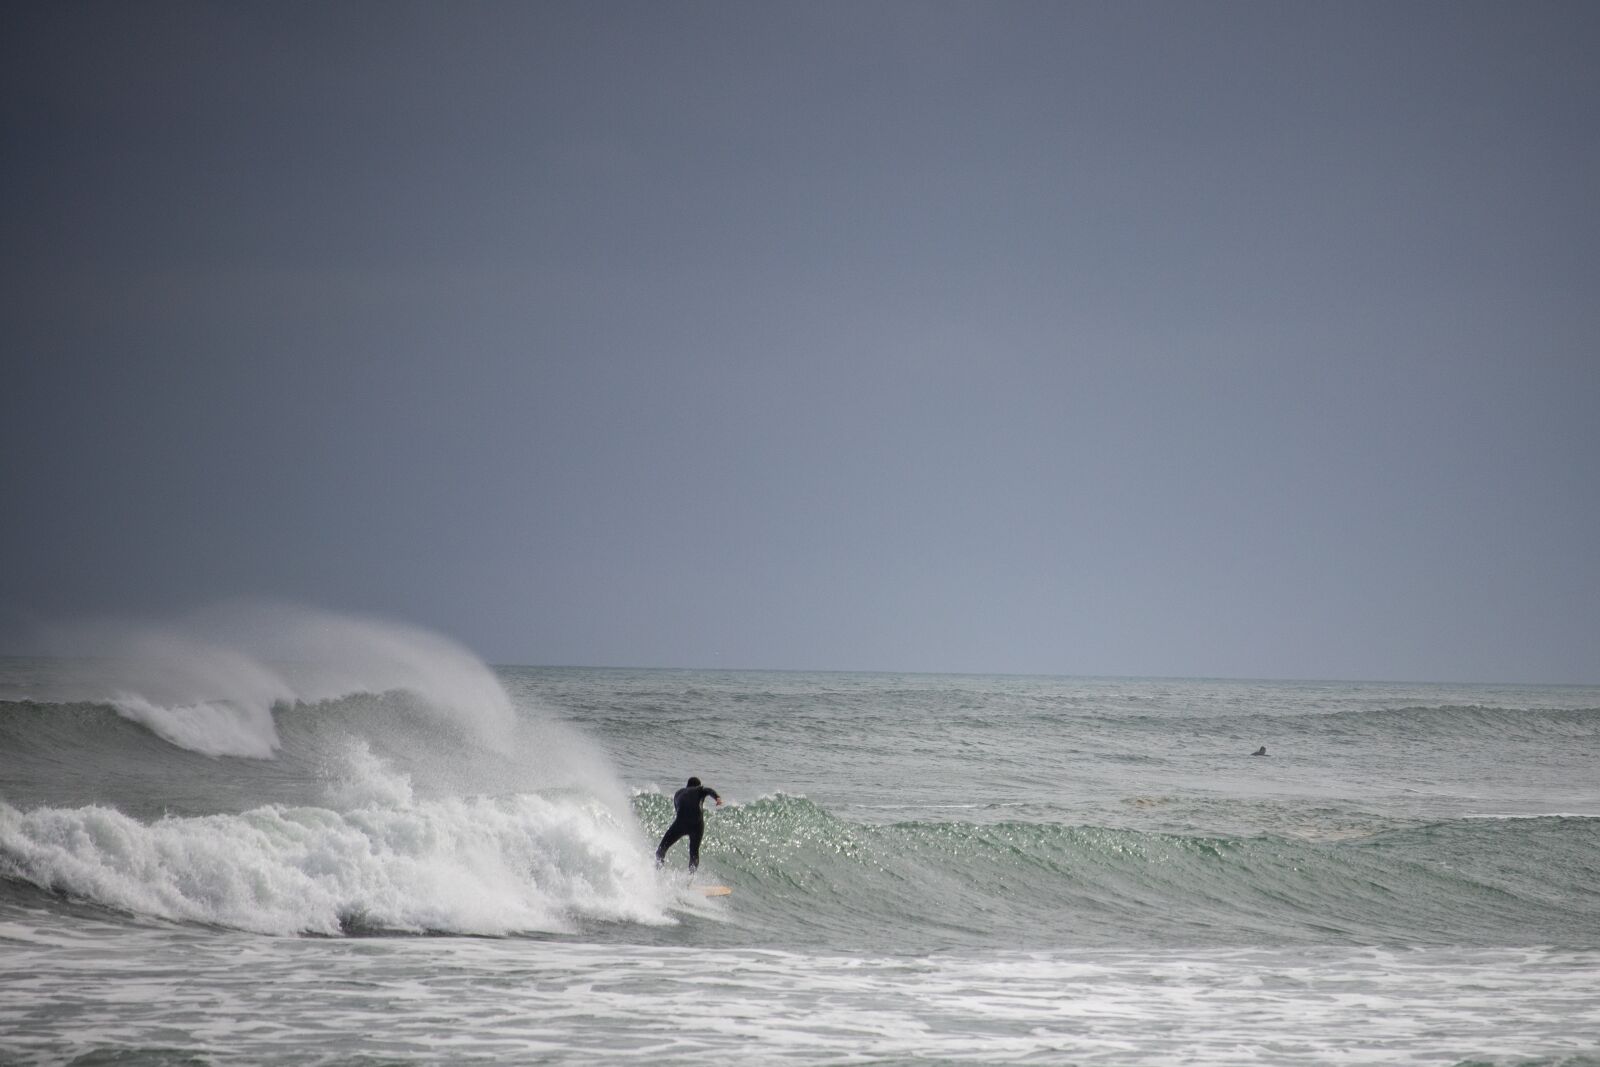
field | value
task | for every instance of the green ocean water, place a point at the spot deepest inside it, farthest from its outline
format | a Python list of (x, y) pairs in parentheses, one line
[(454, 866)]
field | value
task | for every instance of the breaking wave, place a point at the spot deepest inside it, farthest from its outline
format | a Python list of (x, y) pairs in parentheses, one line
[(291, 771)]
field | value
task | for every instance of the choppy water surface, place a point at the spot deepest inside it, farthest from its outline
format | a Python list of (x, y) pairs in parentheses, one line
[(444, 863)]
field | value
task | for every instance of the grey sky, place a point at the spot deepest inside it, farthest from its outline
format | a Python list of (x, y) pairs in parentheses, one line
[(1223, 339)]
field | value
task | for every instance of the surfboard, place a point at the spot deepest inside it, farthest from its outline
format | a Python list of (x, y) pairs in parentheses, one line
[(714, 890)]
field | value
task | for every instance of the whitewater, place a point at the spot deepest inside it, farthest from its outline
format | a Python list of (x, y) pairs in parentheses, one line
[(273, 835)]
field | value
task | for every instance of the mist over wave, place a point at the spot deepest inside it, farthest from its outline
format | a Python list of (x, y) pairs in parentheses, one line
[(210, 682), (290, 770)]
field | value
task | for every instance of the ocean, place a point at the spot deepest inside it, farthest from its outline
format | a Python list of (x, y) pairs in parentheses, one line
[(390, 853)]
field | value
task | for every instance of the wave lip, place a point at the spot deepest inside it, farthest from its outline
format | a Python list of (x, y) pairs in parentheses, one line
[(212, 728)]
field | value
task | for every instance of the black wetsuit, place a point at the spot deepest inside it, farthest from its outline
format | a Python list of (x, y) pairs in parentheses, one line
[(690, 822)]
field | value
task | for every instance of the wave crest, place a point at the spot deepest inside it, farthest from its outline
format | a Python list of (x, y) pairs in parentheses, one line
[(210, 683)]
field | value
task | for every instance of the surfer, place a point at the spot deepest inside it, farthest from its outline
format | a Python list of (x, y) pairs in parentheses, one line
[(690, 821), (1262, 751)]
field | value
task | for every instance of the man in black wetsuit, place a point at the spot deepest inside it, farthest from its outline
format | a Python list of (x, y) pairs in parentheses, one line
[(689, 821)]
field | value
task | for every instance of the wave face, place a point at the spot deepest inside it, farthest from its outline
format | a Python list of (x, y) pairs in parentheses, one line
[(922, 813), (937, 886), (288, 771)]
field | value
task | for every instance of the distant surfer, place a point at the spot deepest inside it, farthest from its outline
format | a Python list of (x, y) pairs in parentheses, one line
[(1262, 751), (689, 822)]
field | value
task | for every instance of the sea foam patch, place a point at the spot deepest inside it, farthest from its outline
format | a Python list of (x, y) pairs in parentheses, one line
[(257, 998)]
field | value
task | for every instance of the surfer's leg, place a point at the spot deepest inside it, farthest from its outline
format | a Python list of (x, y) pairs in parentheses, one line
[(671, 838), (694, 849)]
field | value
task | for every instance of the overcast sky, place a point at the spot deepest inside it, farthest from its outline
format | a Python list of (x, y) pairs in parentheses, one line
[(1086, 338)]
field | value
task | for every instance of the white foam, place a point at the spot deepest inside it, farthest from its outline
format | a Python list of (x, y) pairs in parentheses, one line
[(457, 999), (365, 781), (482, 865)]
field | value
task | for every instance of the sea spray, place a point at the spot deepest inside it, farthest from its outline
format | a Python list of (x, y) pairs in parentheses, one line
[(210, 682), (247, 679), (379, 777)]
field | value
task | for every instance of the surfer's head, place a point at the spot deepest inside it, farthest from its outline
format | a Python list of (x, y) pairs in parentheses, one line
[(694, 781)]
